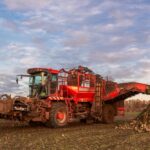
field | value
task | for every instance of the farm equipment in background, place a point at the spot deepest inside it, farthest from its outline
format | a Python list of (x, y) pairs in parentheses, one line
[(57, 97)]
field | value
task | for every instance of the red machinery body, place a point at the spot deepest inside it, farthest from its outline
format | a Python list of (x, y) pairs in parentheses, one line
[(58, 96), (83, 89), (85, 92)]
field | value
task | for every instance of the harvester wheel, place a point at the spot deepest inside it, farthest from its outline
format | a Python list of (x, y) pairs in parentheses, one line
[(58, 115), (108, 114)]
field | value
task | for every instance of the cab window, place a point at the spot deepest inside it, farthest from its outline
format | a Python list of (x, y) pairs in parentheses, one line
[(54, 77), (37, 80)]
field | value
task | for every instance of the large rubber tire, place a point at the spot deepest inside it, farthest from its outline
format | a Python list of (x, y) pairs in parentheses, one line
[(108, 114), (54, 122)]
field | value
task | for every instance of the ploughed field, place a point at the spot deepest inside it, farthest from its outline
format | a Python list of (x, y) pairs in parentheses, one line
[(75, 136)]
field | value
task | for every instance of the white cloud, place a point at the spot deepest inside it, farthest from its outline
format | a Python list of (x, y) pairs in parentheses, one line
[(27, 4), (118, 56), (17, 55), (28, 61), (77, 38), (105, 35)]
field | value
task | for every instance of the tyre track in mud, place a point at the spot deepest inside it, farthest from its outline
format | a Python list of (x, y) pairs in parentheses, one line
[(74, 137)]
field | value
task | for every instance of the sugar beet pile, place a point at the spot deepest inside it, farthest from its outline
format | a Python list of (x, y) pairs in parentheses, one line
[(141, 123)]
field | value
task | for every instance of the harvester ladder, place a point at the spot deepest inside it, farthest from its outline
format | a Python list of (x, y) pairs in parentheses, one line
[(98, 98)]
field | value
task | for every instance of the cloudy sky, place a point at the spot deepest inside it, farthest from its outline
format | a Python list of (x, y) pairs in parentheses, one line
[(112, 37)]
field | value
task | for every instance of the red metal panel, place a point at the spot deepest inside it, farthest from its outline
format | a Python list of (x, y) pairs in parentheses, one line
[(32, 70)]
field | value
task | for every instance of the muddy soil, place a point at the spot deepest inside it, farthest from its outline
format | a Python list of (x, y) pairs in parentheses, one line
[(76, 136)]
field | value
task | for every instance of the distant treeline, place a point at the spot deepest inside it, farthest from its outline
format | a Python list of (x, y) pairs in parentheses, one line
[(135, 105)]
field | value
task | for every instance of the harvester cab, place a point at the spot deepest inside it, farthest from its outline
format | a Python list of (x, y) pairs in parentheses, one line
[(42, 82)]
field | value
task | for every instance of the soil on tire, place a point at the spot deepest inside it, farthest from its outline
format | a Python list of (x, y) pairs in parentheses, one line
[(53, 121)]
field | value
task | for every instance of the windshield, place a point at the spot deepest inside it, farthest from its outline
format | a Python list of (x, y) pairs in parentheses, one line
[(42, 84), (38, 84), (37, 79)]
